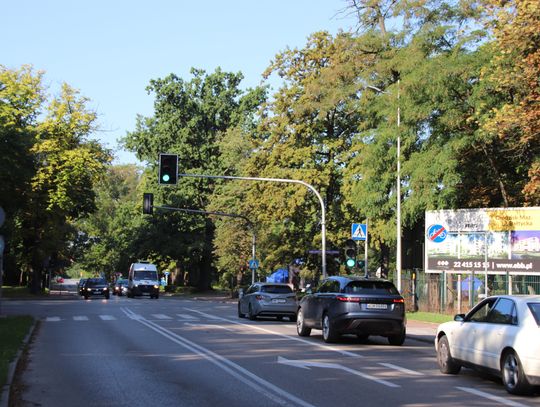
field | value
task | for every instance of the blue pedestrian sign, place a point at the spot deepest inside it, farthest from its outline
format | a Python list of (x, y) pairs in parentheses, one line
[(254, 264), (359, 231)]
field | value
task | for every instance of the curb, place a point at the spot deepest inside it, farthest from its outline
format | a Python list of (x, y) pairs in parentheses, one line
[(6, 390)]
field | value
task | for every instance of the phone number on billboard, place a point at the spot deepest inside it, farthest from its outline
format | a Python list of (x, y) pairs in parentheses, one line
[(464, 264)]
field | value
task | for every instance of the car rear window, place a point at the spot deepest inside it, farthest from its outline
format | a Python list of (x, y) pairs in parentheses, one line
[(371, 287), (276, 289), (535, 309)]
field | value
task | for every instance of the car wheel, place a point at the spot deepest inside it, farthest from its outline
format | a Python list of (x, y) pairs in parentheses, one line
[(328, 331), (107, 296), (86, 297), (251, 315), (446, 363), (301, 327), (397, 340), (240, 315), (512, 374)]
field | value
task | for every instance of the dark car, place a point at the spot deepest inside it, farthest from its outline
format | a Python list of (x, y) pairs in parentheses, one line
[(96, 286), (268, 300), (120, 287), (353, 305), (81, 285)]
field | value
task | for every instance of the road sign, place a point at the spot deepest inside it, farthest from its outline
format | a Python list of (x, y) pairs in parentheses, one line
[(359, 231), (437, 233), (254, 264)]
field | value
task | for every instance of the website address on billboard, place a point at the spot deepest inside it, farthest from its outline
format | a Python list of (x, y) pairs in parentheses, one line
[(453, 265)]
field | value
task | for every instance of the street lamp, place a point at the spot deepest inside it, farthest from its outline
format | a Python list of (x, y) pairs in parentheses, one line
[(398, 188)]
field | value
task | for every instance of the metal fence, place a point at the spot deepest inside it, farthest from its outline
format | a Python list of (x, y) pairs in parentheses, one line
[(450, 293)]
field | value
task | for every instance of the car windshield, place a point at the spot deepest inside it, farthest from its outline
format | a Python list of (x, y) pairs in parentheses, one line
[(96, 281), (371, 287), (535, 309), (145, 275), (276, 289)]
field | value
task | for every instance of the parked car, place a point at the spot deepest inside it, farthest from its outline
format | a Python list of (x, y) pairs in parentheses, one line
[(268, 299), (81, 285), (353, 305), (96, 286), (501, 335), (120, 287)]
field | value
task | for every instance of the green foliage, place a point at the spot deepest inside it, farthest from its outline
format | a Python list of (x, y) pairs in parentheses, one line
[(13, 330)]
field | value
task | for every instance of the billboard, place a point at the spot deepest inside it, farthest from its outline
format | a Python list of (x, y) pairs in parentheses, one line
[(492, 240)]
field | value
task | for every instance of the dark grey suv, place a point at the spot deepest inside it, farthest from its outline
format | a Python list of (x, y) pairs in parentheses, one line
[(353, 305)]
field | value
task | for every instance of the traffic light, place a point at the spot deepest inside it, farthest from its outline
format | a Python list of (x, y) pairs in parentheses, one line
[(168, 169), (148, 204), (350, 254)]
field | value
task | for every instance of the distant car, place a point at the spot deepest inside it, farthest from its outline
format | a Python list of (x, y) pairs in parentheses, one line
[(120, 287), (268, 299), (96, 286), (501, 335), (81, 285), (353, 305)]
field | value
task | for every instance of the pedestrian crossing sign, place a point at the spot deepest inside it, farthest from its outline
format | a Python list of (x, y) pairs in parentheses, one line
[(359, 231)]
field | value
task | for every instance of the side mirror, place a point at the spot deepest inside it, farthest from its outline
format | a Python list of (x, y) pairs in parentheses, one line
[(459, 317)]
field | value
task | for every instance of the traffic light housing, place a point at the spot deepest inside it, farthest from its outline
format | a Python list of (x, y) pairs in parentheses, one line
[(148, 204), (350, 252), (168, 169)]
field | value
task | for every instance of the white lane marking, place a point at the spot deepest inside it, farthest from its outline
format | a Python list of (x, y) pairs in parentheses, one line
[(306, 364), (257, 383), (52, 319), (401, 369), (294, 338), (107, 317), (491, 397), (80, 318), (187, 317), (161, 316), (209, 326)]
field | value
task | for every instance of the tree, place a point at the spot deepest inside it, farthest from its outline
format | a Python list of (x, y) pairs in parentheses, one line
[(189, 119)]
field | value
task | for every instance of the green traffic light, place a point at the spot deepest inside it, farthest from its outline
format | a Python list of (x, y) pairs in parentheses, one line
[(165, 177), (350, 263)]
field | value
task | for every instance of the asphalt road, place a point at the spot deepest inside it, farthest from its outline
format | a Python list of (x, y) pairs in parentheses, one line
[(177, 352)]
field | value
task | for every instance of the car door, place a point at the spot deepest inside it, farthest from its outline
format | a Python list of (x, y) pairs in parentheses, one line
[(463, 339), (244, 301), (324, 299), (499, 331), (310, 304)]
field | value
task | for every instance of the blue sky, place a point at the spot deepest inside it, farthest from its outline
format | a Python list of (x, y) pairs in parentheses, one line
[(111, 49)]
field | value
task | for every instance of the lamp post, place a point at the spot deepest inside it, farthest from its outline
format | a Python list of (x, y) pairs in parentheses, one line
[(398, 187)]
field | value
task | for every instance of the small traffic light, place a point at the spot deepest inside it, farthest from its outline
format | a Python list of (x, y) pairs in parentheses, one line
[(168, 169), (350, 253), (148, 204)]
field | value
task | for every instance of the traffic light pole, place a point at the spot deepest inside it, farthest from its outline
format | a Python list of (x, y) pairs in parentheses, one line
[(230, 215), (290, 181)]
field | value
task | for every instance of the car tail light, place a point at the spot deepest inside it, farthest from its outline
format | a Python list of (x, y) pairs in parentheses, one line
[(399, 300), (343, 298)]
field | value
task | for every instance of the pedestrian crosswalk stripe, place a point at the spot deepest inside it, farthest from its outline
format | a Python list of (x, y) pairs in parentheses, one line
[(107, 317), (80, 318), (187, 317), (53, 319), (161, 316)]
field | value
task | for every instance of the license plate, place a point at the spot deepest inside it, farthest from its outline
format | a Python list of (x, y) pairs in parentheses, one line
[(279, 301), (377, 306)]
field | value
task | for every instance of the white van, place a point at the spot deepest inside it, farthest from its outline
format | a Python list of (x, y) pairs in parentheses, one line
[(143, 279)]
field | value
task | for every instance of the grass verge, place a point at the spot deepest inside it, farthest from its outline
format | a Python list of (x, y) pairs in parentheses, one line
[(429, 317), (13, 330)]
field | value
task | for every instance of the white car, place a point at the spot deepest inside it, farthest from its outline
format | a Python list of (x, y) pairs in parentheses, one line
[(501, 334)]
